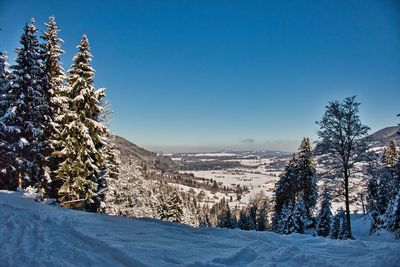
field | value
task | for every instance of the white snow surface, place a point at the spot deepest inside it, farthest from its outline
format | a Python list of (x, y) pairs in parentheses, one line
[(35, 234)]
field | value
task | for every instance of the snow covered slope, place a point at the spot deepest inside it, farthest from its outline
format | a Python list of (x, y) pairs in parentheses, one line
[(33, 234)]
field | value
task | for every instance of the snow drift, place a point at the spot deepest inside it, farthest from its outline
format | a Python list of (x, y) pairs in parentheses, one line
[(34, 234)]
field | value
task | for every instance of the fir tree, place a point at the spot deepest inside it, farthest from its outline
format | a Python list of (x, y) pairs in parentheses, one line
[(5, 84), (30, 118), (390, 155), (392, 216), (81, 171), (372, 204), (285, 190), (324, 218), (335, 231), (252, 216), (343, 227), (54, 94), (243, 221), (131, 195), (6, 155), (339, 227), (306, 171), (175, 209), (262, 215), (287, 220), (297, 179), (226, 219), (300, 216), (383, 196)]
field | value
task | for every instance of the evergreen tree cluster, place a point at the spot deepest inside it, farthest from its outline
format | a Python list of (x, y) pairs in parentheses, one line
[(323, 225), (52, 134), (384, 193), (131, 195), (296, 193), (255, 216)]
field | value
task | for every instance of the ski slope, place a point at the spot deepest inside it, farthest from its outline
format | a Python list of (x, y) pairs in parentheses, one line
[(34, 234)]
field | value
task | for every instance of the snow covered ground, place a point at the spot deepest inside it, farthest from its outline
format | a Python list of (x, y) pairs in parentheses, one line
[(33, 234)]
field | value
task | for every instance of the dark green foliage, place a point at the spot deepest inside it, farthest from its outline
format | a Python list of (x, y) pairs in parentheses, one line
[(30, 110), (225, 218), (306, 175), (287, 220), (83, 170), (335, 231), (56, 99), (339, 227), (324, 218), (297, 183), (6, 153)]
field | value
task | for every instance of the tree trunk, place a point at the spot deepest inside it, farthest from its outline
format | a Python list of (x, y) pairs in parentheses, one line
[(347, 203)]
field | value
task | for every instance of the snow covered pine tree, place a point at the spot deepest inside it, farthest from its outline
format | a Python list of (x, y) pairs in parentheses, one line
[(6, 155), (82, 138), (324, 218), (30, 110), (54, 94)]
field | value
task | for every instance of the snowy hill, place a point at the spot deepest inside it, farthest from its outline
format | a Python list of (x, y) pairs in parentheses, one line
[(33, 234), (129, 150), (385, 135)]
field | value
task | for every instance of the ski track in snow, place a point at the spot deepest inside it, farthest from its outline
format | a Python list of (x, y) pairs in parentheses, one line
[(33, 234)]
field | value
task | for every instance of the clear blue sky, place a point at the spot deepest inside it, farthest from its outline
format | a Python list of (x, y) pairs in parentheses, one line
[(209, 75)]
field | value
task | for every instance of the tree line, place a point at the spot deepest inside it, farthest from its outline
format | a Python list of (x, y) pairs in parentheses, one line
[(54, 138)]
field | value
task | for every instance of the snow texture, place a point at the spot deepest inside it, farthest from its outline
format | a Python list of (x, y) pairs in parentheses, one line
[(34, 234)]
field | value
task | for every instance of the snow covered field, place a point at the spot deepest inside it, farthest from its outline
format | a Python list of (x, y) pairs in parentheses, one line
[(33, 234), (254, 173)]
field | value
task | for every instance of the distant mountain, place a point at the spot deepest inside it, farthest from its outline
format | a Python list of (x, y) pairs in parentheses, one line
[(148, 158), (383, 136), (379, 138)]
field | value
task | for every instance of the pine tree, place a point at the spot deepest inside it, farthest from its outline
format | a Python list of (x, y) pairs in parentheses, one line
[(225, 218), (335, 231), (372, 205), (252, 216), (5, 84), (175, 207), (6, 155), (243, 221), (300, 216), (55, 96), (297, 179), (343, 226), (81, 170), (324, 218), (262, 215), (392, 216), (30, 109), (287, 223), (383, 196), (390, 155), (285, 190), (131, 195), (306, 176), (339, 226)]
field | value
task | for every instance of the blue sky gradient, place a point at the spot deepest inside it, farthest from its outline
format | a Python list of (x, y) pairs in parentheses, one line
[(210, 75)]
